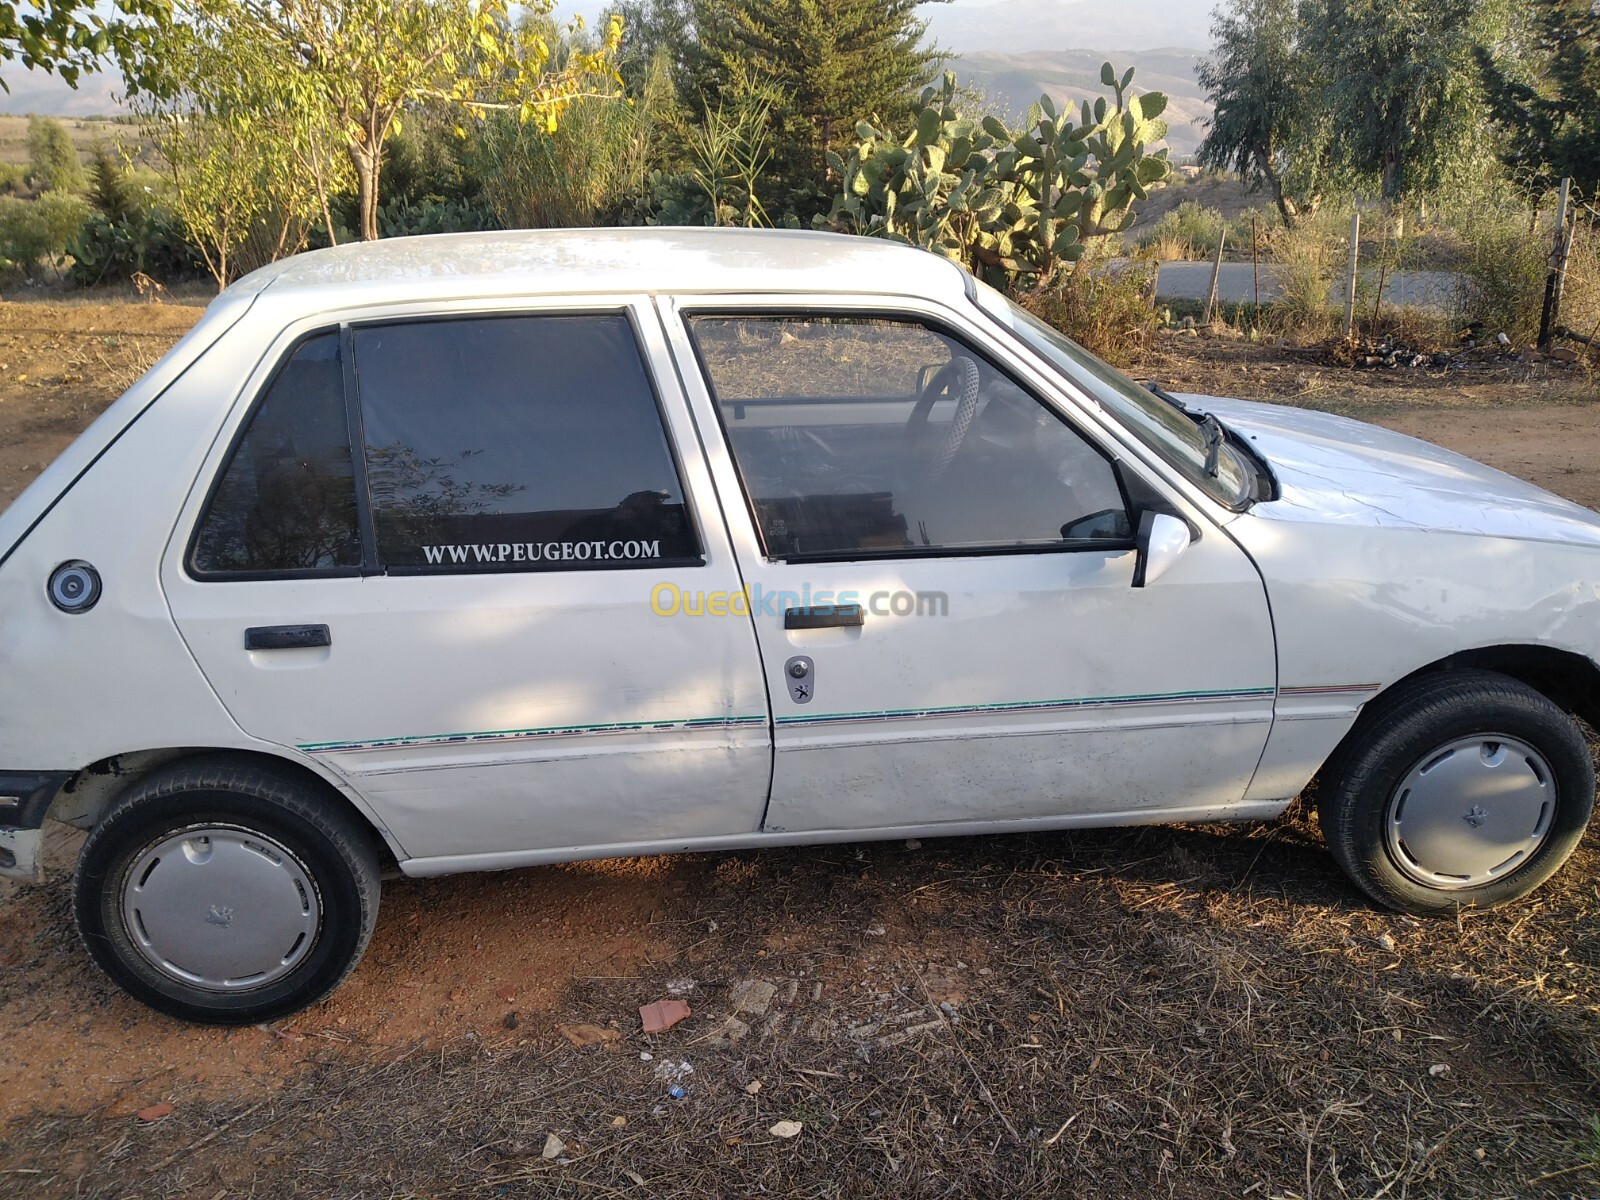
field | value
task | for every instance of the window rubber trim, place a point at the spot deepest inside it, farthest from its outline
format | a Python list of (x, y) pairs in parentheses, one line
[(189, 567), (687, 315)]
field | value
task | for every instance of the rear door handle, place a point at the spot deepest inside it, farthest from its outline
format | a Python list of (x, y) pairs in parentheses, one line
[(286, 637), (839, 616)]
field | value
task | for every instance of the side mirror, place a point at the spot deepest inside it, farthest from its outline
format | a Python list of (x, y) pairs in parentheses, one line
[(1162, 540)]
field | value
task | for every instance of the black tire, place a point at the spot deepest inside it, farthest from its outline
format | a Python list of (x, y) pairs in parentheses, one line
[(1414, 721), (331, 847)]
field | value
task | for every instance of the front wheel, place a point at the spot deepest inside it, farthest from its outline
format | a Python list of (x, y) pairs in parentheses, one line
[(1461, 789), (226, 892)]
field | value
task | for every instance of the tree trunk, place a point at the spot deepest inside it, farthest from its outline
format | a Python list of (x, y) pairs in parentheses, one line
[(366, 158), (1286, 206)]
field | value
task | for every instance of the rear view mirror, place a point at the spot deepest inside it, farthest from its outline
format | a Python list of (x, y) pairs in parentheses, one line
[(1162, 540)]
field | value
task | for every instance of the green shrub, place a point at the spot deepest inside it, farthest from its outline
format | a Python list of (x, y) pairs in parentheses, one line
[(36, 233), (1502, 273), (1105, 309), (52, 159)]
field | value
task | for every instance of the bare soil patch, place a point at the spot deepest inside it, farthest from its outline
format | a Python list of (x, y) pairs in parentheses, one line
[(1185, 1012)]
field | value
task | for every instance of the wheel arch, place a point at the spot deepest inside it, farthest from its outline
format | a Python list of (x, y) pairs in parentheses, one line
[(1569, 680), (84, 798)]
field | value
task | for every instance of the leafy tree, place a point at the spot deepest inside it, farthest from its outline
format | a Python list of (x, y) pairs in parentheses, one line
[(1399, 82), (821, 66), (37, 232), (1548, 115), (71, 37), (1263, 124), (52, 159), (364, 62)]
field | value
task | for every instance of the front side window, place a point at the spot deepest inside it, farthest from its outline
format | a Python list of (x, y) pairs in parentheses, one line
[(516, 443), (286, 501), (861, 436)]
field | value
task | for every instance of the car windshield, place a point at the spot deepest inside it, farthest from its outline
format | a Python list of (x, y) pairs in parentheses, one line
[(1179, 436)]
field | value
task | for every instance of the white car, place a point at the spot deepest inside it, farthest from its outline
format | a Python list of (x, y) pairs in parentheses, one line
[(667, 540)]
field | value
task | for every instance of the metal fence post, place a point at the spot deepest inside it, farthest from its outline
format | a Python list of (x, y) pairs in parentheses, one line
[(1551, 312), (1216, 271)]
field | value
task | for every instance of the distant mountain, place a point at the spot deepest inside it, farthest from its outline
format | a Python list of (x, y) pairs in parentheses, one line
[(97, 95), (1012, 82), (1023, 26)]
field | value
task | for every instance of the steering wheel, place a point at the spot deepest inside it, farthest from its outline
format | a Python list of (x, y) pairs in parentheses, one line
[(957, 379)]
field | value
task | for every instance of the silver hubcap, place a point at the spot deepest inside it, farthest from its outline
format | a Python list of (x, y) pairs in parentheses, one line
[(220, 908), (1470, 812)]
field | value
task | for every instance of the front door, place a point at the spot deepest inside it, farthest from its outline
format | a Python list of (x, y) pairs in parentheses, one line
[(940, 565), (457, 619)]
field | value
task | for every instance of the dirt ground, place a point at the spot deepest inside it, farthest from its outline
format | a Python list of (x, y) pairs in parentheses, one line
[(1182, 1012)]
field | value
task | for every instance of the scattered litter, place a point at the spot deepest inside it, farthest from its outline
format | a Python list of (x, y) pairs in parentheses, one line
[(673, 1072), (634, 1176), (876, 930), (677, 1091), (1385, 942), (751, 1088), (786, 1129), (679, 987), (155, 1112), (645, 1056), (1439, 1070), (619, 1122), (589, 1035), (554, 1147), (662, 1015)]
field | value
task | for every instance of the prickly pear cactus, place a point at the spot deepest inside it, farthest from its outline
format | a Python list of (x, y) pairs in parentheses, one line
[(1012, 205)]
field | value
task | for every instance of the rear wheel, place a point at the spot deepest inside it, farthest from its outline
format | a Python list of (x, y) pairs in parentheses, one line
[(224, 891), (1459, 789)]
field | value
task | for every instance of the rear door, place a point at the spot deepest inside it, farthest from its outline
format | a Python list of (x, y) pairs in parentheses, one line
[(457, 618), (940, 558)]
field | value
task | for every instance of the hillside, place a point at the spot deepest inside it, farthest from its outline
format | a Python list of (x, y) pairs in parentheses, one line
[(1014, 81), (1009, 25)]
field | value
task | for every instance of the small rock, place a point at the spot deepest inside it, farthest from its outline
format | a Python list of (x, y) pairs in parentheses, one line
[(751, 1088), (155, 1112), (1502, 339), (1385, 942), (645, 1056), (1438, 1070), (876, 930), (913, 844), (752, 996), (554, 1147), (512, 1020), (786, 1129), (730, 1032), (619, 1122), (679, 987)]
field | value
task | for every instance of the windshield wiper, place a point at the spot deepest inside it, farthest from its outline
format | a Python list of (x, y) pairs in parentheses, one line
[(1211, 429), (1161, 393)]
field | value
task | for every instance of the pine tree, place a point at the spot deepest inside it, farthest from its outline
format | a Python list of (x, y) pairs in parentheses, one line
[(821, 65)]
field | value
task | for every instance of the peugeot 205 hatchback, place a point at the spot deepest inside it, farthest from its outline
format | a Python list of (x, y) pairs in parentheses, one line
[(481, 551)]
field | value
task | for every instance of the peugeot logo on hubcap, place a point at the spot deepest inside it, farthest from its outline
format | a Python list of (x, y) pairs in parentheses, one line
[(1475, 816), (220, 916)]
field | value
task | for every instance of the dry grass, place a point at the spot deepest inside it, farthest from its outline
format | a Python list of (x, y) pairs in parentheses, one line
[(1176, 1012)]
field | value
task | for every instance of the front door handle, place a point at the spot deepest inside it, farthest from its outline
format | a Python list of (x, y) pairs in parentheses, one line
[(286, 637), (840, 616)]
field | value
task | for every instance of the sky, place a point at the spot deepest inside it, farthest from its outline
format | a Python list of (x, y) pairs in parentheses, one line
[(959, 26)]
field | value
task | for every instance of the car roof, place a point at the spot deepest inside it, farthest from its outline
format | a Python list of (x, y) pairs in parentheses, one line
[(565, 262)]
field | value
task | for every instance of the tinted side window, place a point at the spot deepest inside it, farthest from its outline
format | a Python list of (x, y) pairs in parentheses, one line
[(857, 437), (517, 443), (286, 501)]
